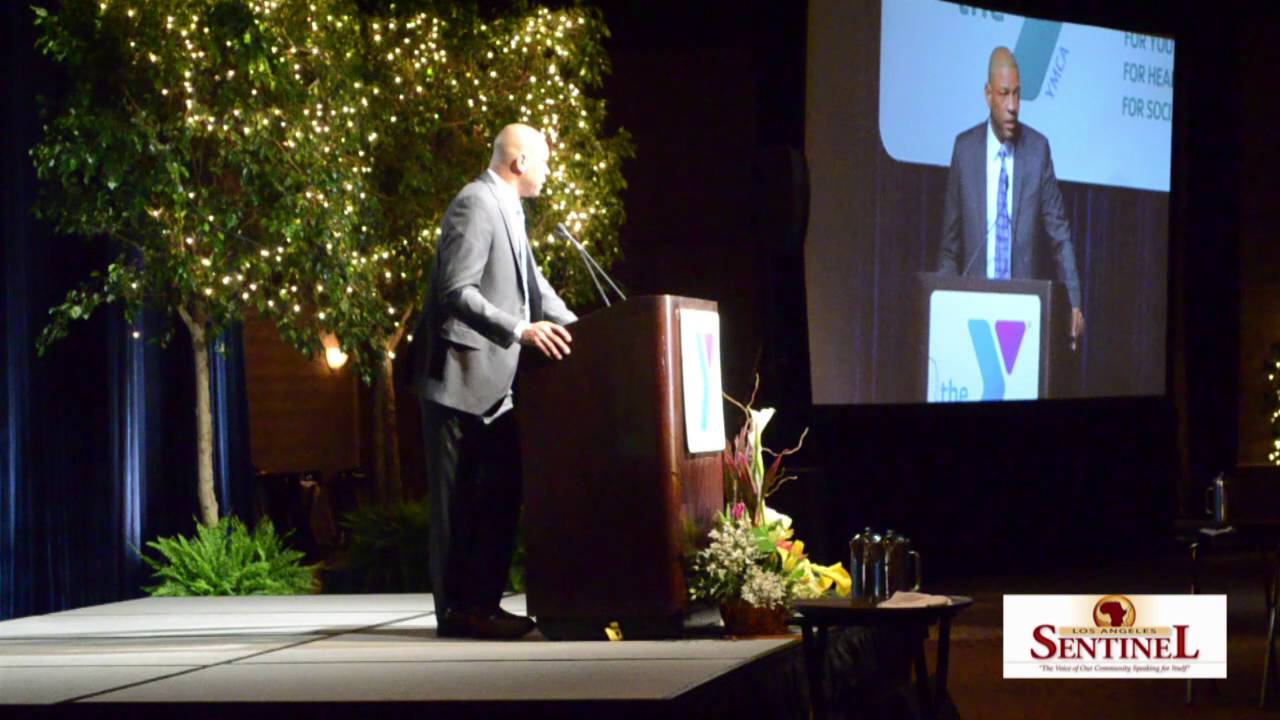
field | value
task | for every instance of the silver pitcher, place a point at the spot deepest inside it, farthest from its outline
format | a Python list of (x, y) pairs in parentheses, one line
[(902, 566), (866, 565), (1215, 499)]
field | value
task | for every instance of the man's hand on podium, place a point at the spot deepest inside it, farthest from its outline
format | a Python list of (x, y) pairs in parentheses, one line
[(552, 339), (1077, 327)]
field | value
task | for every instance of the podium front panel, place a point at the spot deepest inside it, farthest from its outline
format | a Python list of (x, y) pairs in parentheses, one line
[(992, 340), (983, 346), (611, 494)]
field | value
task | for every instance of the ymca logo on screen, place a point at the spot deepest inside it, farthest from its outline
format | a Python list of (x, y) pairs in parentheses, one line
[(983, 346), (1114, 636), (1075, 78), (996, 355)]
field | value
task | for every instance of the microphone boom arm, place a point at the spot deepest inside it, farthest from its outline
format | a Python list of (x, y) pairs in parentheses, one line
[(593, 267)]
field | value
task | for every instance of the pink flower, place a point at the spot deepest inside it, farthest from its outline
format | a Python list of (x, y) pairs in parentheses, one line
[(738, 509)]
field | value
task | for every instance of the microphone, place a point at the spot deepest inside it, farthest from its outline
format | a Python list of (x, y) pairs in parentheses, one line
[(592, 266), (974, 256), (982, 246)]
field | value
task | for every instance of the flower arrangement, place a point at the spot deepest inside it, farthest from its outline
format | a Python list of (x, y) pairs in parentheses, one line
[(753, 556), (763, 565)]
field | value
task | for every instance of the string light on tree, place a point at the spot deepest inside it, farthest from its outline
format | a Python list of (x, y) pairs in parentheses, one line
[(1271, 401), (253, 94)]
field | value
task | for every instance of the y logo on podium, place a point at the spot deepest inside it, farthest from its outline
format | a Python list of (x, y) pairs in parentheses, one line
[(706, 355), (996, 353)]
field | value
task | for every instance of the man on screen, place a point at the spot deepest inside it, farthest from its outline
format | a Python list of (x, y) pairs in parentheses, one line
[(1003, 207)]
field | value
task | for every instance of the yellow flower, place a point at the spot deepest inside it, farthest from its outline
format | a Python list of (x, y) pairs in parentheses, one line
[(811, 584), (791, 554), (837, 574)]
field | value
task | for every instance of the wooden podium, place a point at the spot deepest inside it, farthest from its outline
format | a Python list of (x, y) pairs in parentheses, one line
[(1048, 327), (611, 493)]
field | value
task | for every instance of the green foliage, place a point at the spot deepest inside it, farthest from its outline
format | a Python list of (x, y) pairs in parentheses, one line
[(1271, 401), (389, 549), (747, 477), (196, 139), (294, 159), (449, 80), (389, 546), (229, 560)]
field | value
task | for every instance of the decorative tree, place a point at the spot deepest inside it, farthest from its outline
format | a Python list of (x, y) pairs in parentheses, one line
[(293, 159), (200, 139), (1271, 401), (440, 85)]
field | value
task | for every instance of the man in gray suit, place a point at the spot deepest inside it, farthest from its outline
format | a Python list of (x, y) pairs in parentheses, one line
[(1003, 207), (487, 298)]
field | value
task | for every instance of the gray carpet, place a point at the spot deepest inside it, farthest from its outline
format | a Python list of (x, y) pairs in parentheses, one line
[(331, 649)]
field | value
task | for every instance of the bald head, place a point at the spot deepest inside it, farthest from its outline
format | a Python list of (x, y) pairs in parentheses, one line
[(511, 141), (520, 156), (1004, 93), (1001, 59)]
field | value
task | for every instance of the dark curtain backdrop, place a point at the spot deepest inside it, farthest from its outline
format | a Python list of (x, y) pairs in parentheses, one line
[(97, 438), (232, 462)]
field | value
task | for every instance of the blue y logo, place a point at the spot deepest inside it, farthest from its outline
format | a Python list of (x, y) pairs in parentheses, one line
[(1009, 334), (706, 356)]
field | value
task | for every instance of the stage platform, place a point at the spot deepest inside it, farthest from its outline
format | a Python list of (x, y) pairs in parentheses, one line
[(367, 656)]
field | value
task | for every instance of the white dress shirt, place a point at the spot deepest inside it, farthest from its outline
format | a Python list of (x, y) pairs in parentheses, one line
[(508, 196)]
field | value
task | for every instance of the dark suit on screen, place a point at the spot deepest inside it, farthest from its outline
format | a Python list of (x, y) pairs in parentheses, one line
[(463, 376), (1041, 233)]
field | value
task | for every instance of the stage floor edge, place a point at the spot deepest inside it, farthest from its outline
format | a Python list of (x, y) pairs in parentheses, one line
[(364, 656)]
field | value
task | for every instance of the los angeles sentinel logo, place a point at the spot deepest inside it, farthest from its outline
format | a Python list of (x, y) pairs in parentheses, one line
[(1115, 636)]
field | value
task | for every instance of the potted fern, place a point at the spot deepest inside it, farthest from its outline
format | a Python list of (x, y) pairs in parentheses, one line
[(228, 559)]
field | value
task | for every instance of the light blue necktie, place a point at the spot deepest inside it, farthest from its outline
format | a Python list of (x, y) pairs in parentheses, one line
[(1004, 229)]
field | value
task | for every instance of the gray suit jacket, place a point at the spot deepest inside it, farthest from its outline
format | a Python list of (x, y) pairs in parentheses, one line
[(1039, 223), (468, 353)]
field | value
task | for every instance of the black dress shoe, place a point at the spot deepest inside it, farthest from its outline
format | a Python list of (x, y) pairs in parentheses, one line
[(501, 625), (451, 623), (496, 624)]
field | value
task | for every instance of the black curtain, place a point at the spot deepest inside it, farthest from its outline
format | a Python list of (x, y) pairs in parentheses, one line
[(232, 463), (97, 437)]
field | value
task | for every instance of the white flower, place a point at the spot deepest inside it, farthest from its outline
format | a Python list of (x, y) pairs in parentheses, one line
[(721, 568), (805, 591), (764, 589), (761, 418), (771, 516), (731, 551)]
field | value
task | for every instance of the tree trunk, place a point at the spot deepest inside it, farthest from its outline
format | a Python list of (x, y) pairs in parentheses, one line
[(386, 436), (386, 432), (195, 322)]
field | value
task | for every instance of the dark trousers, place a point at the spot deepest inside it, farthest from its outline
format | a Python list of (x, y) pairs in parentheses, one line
[(473, 476)]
